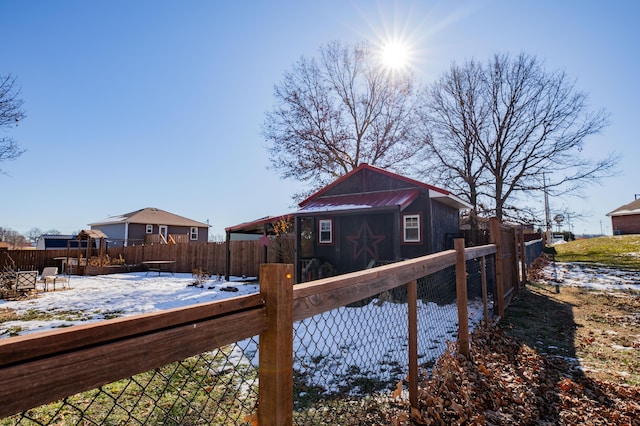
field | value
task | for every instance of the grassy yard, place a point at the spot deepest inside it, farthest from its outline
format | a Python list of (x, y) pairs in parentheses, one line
[(621, 251), (599, 328)]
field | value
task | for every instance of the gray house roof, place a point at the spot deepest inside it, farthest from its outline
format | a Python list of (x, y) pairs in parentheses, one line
[(150, 216), (627, 209)]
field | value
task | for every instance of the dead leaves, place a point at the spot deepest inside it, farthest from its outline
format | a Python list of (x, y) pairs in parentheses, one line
[(504, 383)]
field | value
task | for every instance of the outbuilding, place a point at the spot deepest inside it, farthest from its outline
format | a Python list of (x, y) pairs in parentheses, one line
[(366, 218), (626, 219)]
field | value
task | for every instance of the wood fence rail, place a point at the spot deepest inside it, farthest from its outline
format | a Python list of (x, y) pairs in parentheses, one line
[(45, 367), (245, 256)]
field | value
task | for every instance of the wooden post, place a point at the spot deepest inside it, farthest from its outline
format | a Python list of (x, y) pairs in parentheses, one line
[(265, 245), (495, 236), (412, 300), (523, 258), (485, 298), (227, 271), (515, 275), (275, 397), (461, 297)]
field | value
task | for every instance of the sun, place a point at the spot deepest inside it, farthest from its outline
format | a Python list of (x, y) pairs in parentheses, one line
[(395, 55)]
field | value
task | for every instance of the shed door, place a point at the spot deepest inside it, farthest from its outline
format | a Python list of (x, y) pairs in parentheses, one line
[(365, 238)]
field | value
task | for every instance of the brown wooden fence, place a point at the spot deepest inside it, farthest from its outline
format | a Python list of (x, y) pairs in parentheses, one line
[(246, 257), (510, 244), (41, 368)]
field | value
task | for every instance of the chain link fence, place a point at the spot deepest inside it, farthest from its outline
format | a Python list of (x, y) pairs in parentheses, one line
[(533, 249), (346, 361), (212, 388), (359, 352)]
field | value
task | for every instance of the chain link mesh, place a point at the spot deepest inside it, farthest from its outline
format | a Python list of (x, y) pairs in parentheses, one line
[(361, 350), (218, 387)]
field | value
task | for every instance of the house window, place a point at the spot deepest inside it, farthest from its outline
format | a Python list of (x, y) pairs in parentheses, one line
[(411, 228), (149, 229), (193, 235), (325, 227)]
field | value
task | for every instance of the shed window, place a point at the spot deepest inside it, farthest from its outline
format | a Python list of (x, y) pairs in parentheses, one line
[(325, 231), (149, 229), (193, 234), (411, 228)]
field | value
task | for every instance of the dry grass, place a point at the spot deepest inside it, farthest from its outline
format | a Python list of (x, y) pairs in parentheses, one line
[(621, 251), (601, 330)]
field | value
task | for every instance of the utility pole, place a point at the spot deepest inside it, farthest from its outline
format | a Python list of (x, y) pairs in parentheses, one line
[(546, 210)]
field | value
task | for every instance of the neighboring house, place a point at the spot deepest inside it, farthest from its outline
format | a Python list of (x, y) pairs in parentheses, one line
[(58, 242), (367, 217), (151, 226), (626, 219)]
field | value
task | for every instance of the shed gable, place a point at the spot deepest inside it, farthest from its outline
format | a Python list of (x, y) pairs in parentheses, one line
[(367, 180)]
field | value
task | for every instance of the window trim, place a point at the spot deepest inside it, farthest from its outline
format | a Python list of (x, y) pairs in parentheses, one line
[(149, 229), (320, 231), (193, 233), (417, 216)]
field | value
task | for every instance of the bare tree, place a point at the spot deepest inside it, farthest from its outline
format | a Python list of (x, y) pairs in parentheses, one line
[(33, 234), (10, 114), (516, 121), (339, 111), (454, 114), (14, 238)]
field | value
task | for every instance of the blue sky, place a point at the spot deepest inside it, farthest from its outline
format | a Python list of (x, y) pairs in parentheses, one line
[(134, 104)]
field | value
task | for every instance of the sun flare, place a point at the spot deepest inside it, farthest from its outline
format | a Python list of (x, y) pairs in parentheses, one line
[(395, 55)]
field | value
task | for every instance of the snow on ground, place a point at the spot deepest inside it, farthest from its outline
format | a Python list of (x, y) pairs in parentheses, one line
[(597, 277), (335, 350), (351, 346), (95, 298)]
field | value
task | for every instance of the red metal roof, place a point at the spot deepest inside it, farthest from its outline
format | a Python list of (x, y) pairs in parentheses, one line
[(362, 200), (401, 197), (365, 166)]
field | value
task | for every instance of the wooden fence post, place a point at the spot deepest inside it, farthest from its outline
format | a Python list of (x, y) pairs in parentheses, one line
[(495, 236), (275, 387), (461, 297), (485, 296), (412, 300), (515, 261), (523, 258)]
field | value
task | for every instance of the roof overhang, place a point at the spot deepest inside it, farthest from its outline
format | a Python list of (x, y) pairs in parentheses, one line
[(624, 213), (257, 226), (449, 199)]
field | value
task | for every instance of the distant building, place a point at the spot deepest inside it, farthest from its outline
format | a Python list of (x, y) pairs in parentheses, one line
[(151, 226), (58, 242), (626, 219)]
